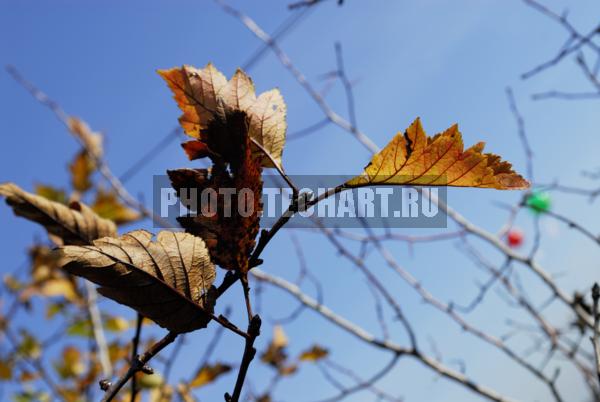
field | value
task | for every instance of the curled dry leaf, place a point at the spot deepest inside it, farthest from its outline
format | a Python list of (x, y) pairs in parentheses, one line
[(205, 95), (168, 281), (91, 141), (208, 374), (74, 224), (413, 158)]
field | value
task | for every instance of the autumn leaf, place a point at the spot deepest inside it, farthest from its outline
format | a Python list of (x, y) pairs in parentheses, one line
[(92, 142), (167, 281), (313, 354), (149, 381), (204, 95), (230, 238), (164, 393), (6, 370), (185, 393), (74, 224), (81, 170), (116, 324), (108, 206), (208, 374), (275, 355), (70, 365), (413, 158), (47, 279), (51, 193), (29, 347)]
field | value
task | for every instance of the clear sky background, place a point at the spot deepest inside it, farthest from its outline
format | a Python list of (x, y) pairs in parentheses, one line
[(447, 61)]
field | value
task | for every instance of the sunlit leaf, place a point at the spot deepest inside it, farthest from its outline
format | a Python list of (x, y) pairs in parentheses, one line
[(412, 158), (204, 95), (148, 381), (313, 354), (208, 374), (108, 206), (51, 193), (81, 328), (70, 365), (81, 170), (116, 324), (29, 346)]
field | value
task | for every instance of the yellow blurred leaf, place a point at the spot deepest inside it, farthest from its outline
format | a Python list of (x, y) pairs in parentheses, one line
[(70, 365), (148, 381), (280, 339), (412, 158), (208, 374), (51, 193), (108, 206), (314, 353), (162, 394), (116, 324), (81, 170), (29, 346), (59, 287)]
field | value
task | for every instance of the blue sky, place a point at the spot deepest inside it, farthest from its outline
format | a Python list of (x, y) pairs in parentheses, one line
[(445, 61)]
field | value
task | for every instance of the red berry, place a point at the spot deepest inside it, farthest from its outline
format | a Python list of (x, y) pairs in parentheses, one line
[(514, 238)]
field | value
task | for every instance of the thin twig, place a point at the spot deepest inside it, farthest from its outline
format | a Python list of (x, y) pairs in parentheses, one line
[(138, 364), (249, 353)]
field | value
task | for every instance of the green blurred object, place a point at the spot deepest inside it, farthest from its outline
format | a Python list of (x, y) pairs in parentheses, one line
[(539, 202)]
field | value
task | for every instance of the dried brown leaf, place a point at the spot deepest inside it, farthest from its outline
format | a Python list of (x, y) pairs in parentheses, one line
[(168, 280)]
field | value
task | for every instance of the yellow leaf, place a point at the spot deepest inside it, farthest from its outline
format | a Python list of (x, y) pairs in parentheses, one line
[(314, 353), (108, 206), (81, 169), (149, 381), (163, 394), (280, 339), (116, 324), (70, 365), (412, 158), (117, 352), (204, 95), (51, 193), (29, 347), (59, 287), (208, 374), (275, 354), (167, 280)]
